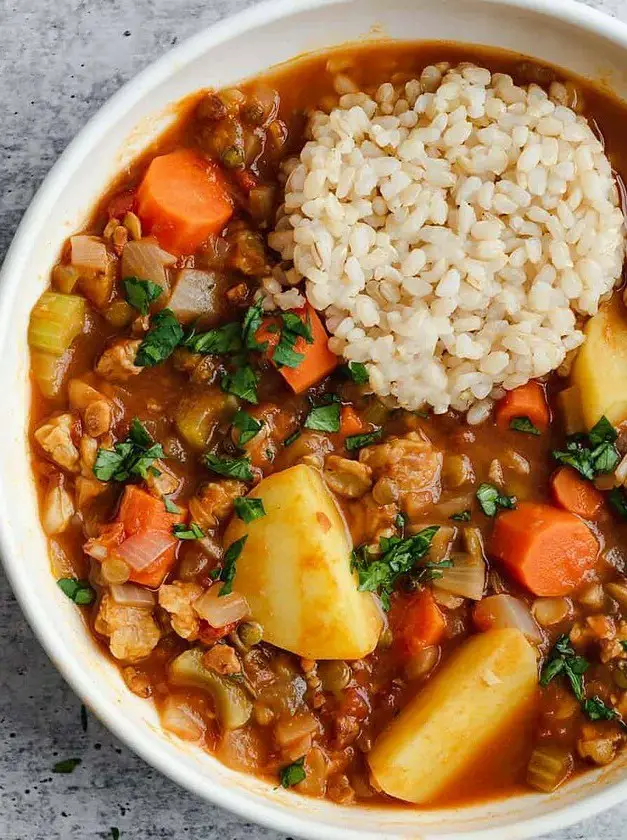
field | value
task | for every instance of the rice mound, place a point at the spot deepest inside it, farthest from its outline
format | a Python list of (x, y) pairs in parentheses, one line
[(455, 230)]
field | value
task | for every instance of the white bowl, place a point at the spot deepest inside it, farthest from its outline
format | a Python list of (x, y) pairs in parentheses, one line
[(560, 31)]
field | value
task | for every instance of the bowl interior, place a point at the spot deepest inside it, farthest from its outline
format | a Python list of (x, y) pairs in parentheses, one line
[(559, 32)]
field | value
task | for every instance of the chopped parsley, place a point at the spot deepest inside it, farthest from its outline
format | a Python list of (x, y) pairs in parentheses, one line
[(491, 500), (251, 323), (293, 773), (249, 509), (618, 501), (170, 506), (246, 425), (380, 572), (357, 371), (216, 342), (595, 709), (188, 532), (563, 660), (230, 467), (227, 573), (624, 644), (164, 335), (68, 765), (292, 328), (324, 418), (141, 293), (400, 520), (241, 383), (592, 454), (462, 516), (354, 442), (289, 440), (523, 424), (133, 457), (79, 591)]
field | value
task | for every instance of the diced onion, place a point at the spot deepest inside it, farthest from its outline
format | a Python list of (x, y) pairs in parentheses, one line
[(219, 611), (129, 595), (142, 549), (499, 611), (465, 578), (289, 730), (88, 252), (194, 294), (146, 260), (179, 717)]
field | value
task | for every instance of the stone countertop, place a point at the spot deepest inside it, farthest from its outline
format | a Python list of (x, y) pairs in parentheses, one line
[(59, 62)]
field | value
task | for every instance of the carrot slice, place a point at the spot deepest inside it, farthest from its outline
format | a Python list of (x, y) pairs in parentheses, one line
[(575, 494), (350, 423), (550, 551), (139, 511), (319, 361), (417, 622), (182, 199), (526, 401)]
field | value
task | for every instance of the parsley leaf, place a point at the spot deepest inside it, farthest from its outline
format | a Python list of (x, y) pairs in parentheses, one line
[(380, 572), (595, 456), (242, 383), (221, 340), (68, 765), (251, 323), (230, 467), (400, 520), (132, 457), (491, 500), (523, 424), (354, 442), (170, 506), (289, 440), (293, 773), (563, 660), (595, 709), (324, 418), (602, 432), (164, 335), (188, 532), (141, 293), (293, 327), (462, 516), (227, 573), (357, 371), (246, 425), (79, 591), (249, 509)]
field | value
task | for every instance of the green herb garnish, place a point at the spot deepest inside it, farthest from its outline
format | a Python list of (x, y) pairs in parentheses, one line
[(68, 765), (141, 293), (170, 506), (242, 383), (221, 340), (132, 457), (563, 660), (289, 440), (251, 323), (592, 454), (356, 371), (491, 500), (324, 418), (354, 442), (293, 773), (79, 591), (618, 501), (293, 327), (400, 520), (523, 424), (246, 425), (249, 509), (230, 467), (602, 432), (595, 709), (462, 516), (164, 335), (227, 573), (188, 532)]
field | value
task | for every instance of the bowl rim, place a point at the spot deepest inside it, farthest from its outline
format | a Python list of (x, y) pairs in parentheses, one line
[(271, 815)]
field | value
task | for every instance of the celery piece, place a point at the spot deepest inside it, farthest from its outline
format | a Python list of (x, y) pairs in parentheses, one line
[(548, 767), (55, 322), (49, 371)]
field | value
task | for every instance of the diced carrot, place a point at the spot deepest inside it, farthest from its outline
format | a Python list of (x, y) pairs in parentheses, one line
[(208, 634), (526, 401), (319, 361), (417, 622), (121, 204), (139, 511), (575, 494), (548, 550), (154, 575), (182, 199), (350, 423)]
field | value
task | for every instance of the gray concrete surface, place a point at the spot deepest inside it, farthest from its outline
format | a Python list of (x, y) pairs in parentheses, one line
[(59, 61)]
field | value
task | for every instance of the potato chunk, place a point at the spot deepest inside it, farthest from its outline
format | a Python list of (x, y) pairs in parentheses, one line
[(478, 694), (295, 571), (600, 369)]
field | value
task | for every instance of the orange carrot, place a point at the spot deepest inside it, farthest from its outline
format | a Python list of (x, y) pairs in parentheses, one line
[(417, 622), (525, 401), (350, 423), (154, 575), (139, 511), (575, 494), (182, 199), (319, 361), (546, 549)]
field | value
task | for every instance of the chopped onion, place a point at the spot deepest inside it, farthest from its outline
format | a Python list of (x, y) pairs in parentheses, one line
[(499, 611), (130, 595), (146, 260), (178, 716), (88, 252), (465, 578), (220, 611), (195, 294), (142, 549), (289, 730)]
